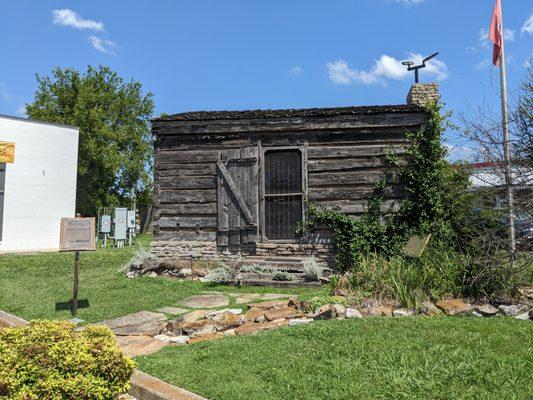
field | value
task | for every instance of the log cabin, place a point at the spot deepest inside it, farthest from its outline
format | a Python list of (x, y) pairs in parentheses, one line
[(233, 184)]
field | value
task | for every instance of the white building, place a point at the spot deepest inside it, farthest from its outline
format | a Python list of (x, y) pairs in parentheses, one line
[(39, 187)]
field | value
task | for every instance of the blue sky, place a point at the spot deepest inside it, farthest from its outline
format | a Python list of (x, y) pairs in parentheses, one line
[(244, 54)]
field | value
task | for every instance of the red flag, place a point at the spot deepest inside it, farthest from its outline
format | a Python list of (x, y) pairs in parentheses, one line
[(495, 33)]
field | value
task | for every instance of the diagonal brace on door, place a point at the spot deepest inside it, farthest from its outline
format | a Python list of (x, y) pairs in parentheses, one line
[(242, 205)]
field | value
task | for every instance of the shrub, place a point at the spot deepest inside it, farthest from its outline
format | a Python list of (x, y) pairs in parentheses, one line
[(281, 276), (257, 269), (220, 274), (140, 258), (49, 360), (313, 269)]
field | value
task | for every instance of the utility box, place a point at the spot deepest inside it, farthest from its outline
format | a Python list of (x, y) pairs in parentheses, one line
[(105, 224), (121, 226), (131, 220)]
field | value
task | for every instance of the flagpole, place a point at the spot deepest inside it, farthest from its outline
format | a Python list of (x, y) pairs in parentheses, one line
[(507, 148)]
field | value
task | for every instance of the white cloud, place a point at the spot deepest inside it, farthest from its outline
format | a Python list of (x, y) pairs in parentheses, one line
[(4, 93), (484, 41), (21, 111), (103, 45), (297, 70), (471, 49), (459, 152), (67, 17), (528, 63), (483, 64), (528, 26), (385, 68)]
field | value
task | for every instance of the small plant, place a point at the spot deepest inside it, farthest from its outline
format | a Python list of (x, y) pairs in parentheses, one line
[(257, 269), (49, 360), (319, 301), (221, 274), (281, 276), (140, 258), (313, 269)]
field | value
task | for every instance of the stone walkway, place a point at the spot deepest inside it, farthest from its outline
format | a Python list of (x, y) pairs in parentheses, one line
[(140, 333)]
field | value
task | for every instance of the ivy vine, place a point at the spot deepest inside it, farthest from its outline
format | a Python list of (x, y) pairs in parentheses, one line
[(426, 208)]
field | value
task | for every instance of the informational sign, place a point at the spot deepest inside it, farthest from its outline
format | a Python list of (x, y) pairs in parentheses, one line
[(131, 219), (415, 245), (105, 224), (7, 152), (120, 229), (77, 234)]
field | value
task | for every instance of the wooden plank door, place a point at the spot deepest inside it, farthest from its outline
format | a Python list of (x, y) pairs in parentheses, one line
[(238, 196)]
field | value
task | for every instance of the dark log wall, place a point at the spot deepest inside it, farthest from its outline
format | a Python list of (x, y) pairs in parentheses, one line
[(345, 157)]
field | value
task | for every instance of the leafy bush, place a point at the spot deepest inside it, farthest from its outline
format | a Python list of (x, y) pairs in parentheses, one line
[(220, 274), (318, 301), (257, 269), (49, 360), (281, 276), (140, 258), (313, 269)]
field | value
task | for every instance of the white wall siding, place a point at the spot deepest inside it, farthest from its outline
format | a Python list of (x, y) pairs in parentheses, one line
[(40, 185)]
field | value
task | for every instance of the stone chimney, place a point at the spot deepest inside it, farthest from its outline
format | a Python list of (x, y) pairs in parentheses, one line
[(420, 93)]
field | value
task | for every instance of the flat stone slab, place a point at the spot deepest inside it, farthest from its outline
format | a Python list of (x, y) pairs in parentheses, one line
[(144, 386), (143, 323), (10, 321), (172, 310), (206, 301), (275, 296), (134, 346), (243, 298)]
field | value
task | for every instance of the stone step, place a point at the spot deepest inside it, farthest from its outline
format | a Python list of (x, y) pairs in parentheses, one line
[(278, 263), (270, 282)]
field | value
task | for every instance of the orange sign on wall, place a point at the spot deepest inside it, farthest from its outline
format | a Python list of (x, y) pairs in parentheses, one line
[(7, 152)]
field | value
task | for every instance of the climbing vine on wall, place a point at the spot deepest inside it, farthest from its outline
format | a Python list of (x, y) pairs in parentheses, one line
[(431, 185)]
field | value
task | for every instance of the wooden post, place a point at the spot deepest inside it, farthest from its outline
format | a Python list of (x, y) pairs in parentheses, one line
[(75, 291)]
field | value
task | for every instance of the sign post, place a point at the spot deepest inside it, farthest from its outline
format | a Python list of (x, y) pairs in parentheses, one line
[(77, 234)]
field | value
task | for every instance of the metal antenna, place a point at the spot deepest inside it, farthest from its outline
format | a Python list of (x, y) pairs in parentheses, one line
[(411, 66)]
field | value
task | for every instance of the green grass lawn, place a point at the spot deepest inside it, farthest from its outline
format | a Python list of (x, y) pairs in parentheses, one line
[(379, 358), (31, 285)]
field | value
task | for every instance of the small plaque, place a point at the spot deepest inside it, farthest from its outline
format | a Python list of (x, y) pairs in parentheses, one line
[(7, 152), (415, 245), (77, 234), (105, 224)]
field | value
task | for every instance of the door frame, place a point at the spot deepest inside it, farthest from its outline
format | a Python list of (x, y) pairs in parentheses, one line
[(262, 150)]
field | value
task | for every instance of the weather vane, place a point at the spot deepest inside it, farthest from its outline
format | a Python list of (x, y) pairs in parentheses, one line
[(411, 66)]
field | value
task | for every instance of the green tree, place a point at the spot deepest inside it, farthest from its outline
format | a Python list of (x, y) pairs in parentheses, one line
[(115, 146)]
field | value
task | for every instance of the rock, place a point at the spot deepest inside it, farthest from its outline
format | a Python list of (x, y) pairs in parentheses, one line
[(203, 326), (185, 272), (455, 307), (512, 310), (476, 314), (379, 311), (486, 310), (523, 316), (229, 332), (205, 338), (300, 321), (243, 298), (275, 296), (227, 320), (152, 274), (340, 310), (428, 308), (174, 327), (194, 316), (403, 312), (281, 312), (340, 292), (172, 310), (172, 339), (254, 315), (206, 301), (144, 323), (134, 346), (236, 311), (132, 274), (266, 305), (327, 311), (353, 313), (252, 327)]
